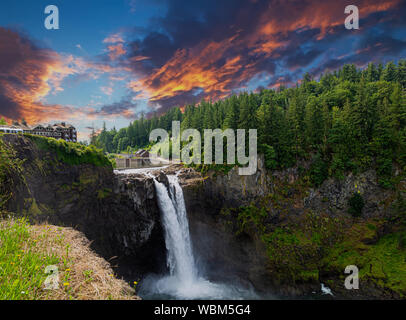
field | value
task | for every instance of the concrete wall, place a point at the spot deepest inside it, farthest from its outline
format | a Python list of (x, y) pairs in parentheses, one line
[(133, 163)]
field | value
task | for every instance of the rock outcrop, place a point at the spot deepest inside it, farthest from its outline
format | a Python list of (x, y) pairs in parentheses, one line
[(226, 253), (118, 214), (332, 196)]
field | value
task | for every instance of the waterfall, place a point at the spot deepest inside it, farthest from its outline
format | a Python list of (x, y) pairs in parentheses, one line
[(180, 258), (184, 280)]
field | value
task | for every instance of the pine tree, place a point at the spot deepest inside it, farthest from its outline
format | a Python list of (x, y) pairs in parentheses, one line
[(390, 72), (402, 73), (344, 119), (232, 114), (296, 122), (371, 73), (314, 123)]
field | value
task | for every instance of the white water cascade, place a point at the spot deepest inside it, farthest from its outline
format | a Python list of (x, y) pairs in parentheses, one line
[(184, 280), (177, 238)]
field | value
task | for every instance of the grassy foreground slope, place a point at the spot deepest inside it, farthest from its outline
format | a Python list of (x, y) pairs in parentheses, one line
[(28, 252)]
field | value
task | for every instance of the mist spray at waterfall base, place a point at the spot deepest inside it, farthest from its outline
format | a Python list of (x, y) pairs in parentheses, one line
[(184, 280)]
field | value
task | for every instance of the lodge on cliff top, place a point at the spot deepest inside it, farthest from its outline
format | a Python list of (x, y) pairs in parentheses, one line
[(61, 130)]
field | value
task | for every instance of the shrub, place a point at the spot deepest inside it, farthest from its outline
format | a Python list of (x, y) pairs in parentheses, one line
[(318, 170), (270, 156), (70, 152), (355, 205)]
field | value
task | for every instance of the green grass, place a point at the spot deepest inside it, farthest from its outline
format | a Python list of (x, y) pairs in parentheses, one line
[(22, 265), (251, 214), (28, 254), (383, 263), (70, 152)]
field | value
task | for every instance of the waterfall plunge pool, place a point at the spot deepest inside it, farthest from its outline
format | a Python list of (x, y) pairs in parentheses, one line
[(184, 280)]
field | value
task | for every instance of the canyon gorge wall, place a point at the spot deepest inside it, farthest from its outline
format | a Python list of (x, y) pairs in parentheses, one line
[(232, 240)]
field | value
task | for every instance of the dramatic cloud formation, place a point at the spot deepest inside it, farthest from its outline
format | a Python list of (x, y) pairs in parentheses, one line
[(125, 108), (27, 74), (185, 51), (208, 49), (115, 47)]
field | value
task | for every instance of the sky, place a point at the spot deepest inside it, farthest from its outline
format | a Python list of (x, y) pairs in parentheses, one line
[(113, 60)]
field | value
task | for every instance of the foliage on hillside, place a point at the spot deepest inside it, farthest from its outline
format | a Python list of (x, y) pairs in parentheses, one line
[(348, 120), (70, 152), (8, 164), (26, 251)]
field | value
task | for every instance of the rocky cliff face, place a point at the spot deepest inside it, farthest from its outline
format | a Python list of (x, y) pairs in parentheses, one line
[(224, 255), (228, 252), (332, 196), (117, 213)]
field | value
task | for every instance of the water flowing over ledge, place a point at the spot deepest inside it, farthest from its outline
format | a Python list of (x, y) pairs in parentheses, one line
[(185, 280)]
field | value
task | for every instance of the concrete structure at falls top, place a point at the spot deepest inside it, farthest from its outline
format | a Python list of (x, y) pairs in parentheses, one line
[(138, 160), (135, 163)]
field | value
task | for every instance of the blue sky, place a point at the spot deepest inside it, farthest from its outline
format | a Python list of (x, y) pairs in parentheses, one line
[(113, 60)]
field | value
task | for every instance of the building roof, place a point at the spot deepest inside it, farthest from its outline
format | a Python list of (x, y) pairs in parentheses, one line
[(62, 125), (25, 127), (12, 127)]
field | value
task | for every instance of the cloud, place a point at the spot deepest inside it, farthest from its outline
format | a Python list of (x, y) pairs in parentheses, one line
[(124, 108), (376, 48), (200, 50), (107, 90), (116, 51), (207, 49), (114, 38), (29, 73), (301, 58)]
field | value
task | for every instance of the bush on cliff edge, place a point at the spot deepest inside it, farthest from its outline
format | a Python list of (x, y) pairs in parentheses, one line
[(70, 152)]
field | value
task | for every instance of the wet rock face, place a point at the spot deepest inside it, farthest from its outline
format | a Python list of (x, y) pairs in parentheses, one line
[(144, 241), (227, 257)]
